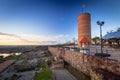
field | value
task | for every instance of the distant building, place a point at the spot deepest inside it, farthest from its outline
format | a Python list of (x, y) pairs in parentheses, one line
[(112, 37)]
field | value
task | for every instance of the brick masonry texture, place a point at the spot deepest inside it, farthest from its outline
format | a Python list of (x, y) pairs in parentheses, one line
[(89, 64)]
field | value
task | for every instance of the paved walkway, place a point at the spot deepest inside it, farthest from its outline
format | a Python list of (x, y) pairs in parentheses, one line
[(62, 74), (115, 53), (29, 75)]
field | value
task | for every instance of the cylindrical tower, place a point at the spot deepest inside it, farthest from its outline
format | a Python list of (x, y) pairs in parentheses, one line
[(84, 30)]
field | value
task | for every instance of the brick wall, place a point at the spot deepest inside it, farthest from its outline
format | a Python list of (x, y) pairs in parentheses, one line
[(88, 63)]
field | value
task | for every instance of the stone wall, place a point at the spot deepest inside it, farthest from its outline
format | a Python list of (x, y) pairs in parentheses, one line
[(89, 64)]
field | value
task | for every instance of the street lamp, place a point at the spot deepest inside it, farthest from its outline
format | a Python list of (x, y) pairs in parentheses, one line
[(101, 23)]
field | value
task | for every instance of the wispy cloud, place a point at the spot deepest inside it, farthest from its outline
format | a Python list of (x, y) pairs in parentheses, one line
[(30, 39), (12, 35), (40, 38), (11, 39)]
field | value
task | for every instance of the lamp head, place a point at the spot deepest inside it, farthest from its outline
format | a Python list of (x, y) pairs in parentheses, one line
[(100, 23)]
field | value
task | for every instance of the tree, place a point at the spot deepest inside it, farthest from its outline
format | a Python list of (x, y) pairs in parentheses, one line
[(118, 29), (74, 41), (96, 40)]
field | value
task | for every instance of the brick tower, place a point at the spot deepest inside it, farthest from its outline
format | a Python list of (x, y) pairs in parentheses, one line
[(84, 30)]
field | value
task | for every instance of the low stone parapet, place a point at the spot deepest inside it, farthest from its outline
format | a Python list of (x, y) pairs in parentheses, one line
[(87, 63)]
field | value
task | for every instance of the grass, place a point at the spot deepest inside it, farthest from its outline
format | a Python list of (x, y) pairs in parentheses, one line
[(48, 54), (45, 74), (14, 57), (41, 64)]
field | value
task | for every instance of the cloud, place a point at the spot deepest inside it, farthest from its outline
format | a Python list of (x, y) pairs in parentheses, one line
[(12, 35), (40, 38), (61, 36), (30, 39), (11, 39)]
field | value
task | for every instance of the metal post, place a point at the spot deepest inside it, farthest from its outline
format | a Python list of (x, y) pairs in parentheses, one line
[(101, 39), (101, 24)]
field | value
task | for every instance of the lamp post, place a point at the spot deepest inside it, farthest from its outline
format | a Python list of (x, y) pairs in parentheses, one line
[(101, 23)]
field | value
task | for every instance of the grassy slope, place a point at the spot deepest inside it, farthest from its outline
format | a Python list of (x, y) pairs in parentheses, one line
[(45, 74)]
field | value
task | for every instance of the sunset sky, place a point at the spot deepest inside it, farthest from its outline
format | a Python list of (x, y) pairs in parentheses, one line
[(38, 22)]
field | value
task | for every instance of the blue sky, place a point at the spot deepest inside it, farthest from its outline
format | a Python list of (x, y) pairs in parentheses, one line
[(31, 19)]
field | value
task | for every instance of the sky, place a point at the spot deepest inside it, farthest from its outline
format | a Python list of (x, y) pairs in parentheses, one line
[(39, 22)]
